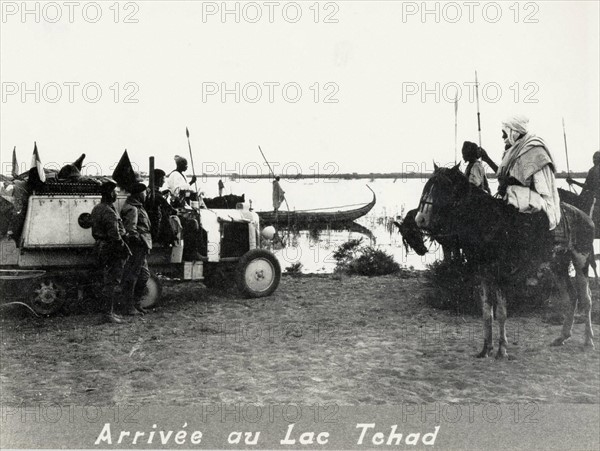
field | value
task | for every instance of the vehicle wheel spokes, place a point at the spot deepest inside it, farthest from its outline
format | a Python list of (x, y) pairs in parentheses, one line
[(48, 297)]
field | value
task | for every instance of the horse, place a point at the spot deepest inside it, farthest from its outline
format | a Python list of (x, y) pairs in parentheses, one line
[(502, 244), (585, 202)]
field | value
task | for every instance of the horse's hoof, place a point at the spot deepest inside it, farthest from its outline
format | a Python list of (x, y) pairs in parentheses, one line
[(559, 341), (589, 344), (501, 354), (485, 353)]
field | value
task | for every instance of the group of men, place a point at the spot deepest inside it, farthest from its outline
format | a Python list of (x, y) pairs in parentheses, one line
[(124, 239), (526, 175)]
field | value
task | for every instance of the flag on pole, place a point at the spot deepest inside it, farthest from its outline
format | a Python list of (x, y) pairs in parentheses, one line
[(15, 164), (36, 171)]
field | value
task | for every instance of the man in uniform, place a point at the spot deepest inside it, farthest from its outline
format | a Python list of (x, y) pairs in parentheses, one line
[(111, 251), (160, 211), (138, 237)]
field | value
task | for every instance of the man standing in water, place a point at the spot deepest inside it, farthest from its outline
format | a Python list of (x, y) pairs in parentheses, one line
[(278, 194)]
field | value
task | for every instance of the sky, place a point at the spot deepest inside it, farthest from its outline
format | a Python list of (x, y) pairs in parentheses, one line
[(322, 87)]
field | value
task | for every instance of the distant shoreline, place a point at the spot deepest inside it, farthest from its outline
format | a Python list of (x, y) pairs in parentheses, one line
[(356, 176)]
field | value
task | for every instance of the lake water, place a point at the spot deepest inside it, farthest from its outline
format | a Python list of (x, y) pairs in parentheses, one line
[(394, 199)]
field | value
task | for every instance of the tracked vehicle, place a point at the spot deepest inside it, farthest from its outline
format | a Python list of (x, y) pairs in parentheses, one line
[(52, 259)]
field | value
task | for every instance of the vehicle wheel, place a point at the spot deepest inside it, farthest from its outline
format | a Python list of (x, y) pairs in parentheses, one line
[(48, 297), (153, 292), (258, 273)]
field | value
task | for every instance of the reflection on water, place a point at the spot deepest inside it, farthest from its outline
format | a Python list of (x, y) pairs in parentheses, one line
[(314, 248)]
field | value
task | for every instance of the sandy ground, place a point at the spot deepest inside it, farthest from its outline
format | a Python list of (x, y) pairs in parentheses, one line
[(318, 339)]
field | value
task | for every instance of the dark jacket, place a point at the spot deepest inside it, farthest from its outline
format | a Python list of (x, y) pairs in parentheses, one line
[(106, 223), (159, 212), (137, 223), (592, 182)]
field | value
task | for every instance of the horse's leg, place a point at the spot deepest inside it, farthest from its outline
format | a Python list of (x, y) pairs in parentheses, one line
[(568, 300), (501, 318), (447, 250), (488, 316), (585, 297)]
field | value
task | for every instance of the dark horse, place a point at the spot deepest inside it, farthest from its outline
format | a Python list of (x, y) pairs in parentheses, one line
[(585, 202), (501, 244)]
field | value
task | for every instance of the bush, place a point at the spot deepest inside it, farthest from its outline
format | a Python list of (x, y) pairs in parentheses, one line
[(452, 287), (294, 268), (345, 253), (373, 262), (353, 258)]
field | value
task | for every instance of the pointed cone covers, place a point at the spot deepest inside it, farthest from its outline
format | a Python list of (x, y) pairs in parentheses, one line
[(124, 174), (71, 171), (79, 162), (15, 164)]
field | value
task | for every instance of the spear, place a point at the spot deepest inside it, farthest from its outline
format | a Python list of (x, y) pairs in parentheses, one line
[(478, 114), (187, 133), (15, 164), (566, 150), (455, 126)]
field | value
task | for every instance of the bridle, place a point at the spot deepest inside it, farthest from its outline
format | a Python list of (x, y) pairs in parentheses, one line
[(425, 203)]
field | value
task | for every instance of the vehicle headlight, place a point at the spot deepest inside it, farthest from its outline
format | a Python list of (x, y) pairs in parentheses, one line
[(268, 233)]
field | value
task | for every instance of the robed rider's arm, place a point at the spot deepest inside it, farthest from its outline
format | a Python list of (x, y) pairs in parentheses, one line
[(544, 183), (486, 158)]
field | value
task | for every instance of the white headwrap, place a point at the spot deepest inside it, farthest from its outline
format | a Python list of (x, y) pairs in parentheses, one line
[(514, 126)]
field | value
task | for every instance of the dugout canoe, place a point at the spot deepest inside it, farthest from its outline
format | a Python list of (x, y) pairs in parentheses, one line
[(306, 218)]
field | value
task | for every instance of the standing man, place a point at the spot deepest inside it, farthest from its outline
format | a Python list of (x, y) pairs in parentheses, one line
[(139, 238), (110, 249), (526, 173), (160, 212), (278, 194), (177, 182), (221, 188)]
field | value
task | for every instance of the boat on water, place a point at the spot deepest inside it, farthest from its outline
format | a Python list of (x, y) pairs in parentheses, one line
[(318, 216)]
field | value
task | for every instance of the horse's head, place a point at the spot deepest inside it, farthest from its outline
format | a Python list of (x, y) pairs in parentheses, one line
[(412, 236), (442, 190)]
